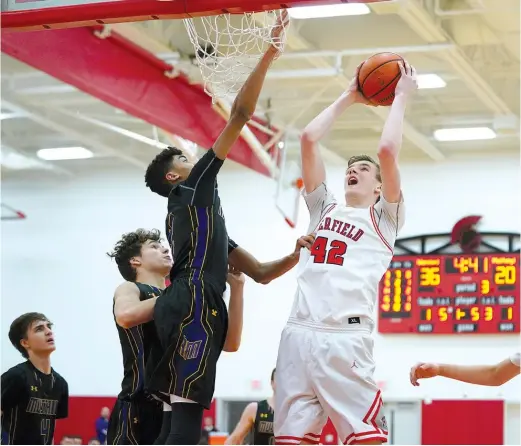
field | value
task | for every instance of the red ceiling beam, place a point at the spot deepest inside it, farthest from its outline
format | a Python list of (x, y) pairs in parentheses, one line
[(122, 74), (118, 11)]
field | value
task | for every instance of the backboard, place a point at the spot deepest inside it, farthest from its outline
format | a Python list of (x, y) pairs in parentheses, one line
[(287, 197)]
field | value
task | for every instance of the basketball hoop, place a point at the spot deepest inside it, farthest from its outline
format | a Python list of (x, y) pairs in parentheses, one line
[(227, 47)]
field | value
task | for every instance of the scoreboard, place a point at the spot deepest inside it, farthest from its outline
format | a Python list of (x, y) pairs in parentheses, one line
[(450, 294)]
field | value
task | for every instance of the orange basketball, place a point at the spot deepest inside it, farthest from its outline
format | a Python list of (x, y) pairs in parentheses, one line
[(378, 77)]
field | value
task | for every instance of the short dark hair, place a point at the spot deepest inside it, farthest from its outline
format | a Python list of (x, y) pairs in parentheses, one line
[(155, 176), (273, 374), (19, 328), (367, 158), (130, 246)]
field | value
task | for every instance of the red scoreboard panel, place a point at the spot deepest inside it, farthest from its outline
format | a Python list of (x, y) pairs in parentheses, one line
[(450, 294)]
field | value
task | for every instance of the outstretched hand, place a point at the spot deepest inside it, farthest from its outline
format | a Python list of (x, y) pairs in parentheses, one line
[(423, 370), (278, 32), (306, 241), (235, 277)]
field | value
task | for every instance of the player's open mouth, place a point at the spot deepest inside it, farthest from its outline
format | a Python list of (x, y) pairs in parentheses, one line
[(50, 341), (352, 181)]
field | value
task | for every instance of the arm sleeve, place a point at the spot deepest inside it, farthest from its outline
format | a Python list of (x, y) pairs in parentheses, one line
[(12, 388), (63, 405), (516, 359), (319, 203), (231, 245), (202, 179)]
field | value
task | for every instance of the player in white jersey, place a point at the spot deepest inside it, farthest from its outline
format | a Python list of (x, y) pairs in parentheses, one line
[(325, 364), (484, 375)]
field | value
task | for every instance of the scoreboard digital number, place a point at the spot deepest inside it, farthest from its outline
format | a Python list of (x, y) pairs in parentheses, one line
[(447, 294)]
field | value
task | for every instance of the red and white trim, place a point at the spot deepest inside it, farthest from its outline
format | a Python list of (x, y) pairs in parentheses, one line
[(376, 434), (326, 211), (291, 440), (377, 229)]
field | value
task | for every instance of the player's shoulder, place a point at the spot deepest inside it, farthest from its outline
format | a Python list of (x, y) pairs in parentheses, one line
[(126, 288), (251, 408), (60, 379), (321, 193), (17, 372)]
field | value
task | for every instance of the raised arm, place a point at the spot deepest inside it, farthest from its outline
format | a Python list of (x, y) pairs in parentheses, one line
[(485, 375), (391, 139), (313, 170), (246, 100), (128, 309), (264, 273), (244, 425), (235, 311)]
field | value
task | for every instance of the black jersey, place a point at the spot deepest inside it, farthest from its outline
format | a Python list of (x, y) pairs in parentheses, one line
[(138, 345), (31, 403), (195, 224), (263, 427)]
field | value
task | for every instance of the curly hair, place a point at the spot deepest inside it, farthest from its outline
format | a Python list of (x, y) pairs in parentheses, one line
[(367, 158), (19, 328), (130, 246), (155, 176)]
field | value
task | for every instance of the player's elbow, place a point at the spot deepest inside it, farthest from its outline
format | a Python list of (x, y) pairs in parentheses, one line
[(232, 346), (387, 151), (125, 320), (241, 114), (307, 140), (496, 377), (258, 273)]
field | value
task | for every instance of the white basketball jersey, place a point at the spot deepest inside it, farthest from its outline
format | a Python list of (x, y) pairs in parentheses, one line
[(353, 247)]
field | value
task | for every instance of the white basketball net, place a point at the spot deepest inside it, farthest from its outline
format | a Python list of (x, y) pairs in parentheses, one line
[(228, 47)]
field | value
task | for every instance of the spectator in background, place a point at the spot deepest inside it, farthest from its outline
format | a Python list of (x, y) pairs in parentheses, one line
[(94, 440), (67, 439), (76, 439), (102, 425), (207, 428)]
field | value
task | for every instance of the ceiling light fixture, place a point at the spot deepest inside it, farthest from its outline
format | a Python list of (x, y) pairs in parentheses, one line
[(464, 134), (426, 81), (322, 11), (64, 153)]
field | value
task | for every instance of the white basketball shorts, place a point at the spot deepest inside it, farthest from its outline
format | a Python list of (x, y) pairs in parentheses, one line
[(327, 372)]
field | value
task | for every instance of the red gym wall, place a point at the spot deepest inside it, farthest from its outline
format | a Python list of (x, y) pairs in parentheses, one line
[(443, 422), (463, 422), (83, 413)]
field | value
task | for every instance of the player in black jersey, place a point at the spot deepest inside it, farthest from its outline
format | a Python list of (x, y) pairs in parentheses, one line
[(190, 316), (34, 395), (258, 419), (144, 262)]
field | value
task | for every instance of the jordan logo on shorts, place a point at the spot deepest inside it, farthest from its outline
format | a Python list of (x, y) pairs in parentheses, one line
[(355, 365)]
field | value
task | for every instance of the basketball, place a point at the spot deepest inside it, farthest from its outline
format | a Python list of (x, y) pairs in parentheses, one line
[(378, 77)]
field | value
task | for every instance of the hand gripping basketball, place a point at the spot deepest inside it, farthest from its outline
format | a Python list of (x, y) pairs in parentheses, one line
[(354, 89), (408, 81), (423, 370)]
